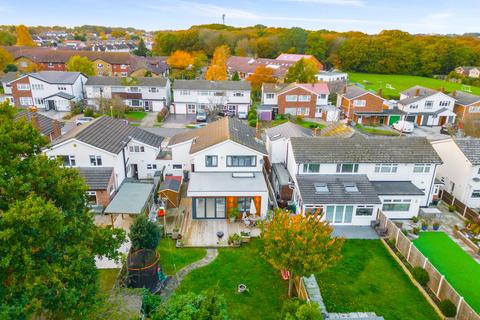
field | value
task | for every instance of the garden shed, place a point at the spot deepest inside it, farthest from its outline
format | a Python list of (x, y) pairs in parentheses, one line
[(169, 191)]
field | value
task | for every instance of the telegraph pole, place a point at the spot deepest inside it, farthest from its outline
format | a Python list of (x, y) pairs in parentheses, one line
[(223, 18)]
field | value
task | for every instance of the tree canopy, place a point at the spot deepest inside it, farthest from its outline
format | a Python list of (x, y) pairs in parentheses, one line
[(300, 244), (23, 36), (303, 71), (141, 50), (144, 234), (261, 75), (81, 64), (218, 67), (5, 58), (47, 264)]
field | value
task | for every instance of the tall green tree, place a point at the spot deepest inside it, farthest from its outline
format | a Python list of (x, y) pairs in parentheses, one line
[(7, 38), (316, 45), (144, 234), (303, 71), (165, 43), (293, 40), (141, 50), (300, 244), (49, 240)]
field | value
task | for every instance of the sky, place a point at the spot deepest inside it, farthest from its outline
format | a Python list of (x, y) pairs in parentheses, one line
[(370, 16)]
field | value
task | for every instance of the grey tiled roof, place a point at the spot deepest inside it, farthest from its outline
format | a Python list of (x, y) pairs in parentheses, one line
[(96, 178), (353, 92), (245, 135), (397, 188), (45, 123), (56, 77), (110, 134), (336, 190), (210, 85), (470, 148), (416, 93), (464, 98), (61, 94), (287, 130), (117, 81), (360, 149)]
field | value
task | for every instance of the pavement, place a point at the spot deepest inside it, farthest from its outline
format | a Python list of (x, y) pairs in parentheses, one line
[(150, 119), (166, 132), (354, 232), (431, 133), (178, 120)]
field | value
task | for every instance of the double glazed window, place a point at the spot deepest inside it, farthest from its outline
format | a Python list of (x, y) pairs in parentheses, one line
[(476, 193), (428, 104), (244, 204), (136, 148), (269, 95), (347, 167), (211, 161), (151, 166), (209, 208), (386, 168), (68, 161), (291, 98), (241, 161), (396, 205), (339, 214), (95, 161), (359, 103), (421, 168), (304, 98), (23, 86), (311, 168), (364, 211)]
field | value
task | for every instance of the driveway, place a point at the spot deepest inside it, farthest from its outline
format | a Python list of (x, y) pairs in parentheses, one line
[(166, 132), (431, 133), (150, 120), (57, 115), (178, 120)]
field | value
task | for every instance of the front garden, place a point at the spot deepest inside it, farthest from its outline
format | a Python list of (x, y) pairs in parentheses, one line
[(368, 279), (377, 131), (458, 267)]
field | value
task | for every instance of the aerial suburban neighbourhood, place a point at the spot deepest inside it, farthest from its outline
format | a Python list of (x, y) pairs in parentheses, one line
[(277, 160)]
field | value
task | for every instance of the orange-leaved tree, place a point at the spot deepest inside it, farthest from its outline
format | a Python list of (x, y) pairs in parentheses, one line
[(261, 75), (23, 36), (5, 58), (180, 60), (218, 68), (300, 244)]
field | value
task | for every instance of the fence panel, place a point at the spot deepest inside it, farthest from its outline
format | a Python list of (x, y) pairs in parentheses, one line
[(403, 244), (435, 277), (467, 313)]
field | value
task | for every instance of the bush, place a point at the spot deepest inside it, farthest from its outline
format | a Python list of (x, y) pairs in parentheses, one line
[(162, 114), (77, 108), (448, 308), (416, 231), (452, 208), (252, 123), (421, 275), (252, 116), (295, 309), (88, 112), (415, 219), (150, 302), (144, 234)]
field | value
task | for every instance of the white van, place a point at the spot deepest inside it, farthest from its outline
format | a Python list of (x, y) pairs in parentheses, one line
[(404, 126)]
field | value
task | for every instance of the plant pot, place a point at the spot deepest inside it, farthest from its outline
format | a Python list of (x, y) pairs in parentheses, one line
[(436, 228), (242, 288), (246, 239), (179, 243), (424, 228), (232, 219), (175, 235)]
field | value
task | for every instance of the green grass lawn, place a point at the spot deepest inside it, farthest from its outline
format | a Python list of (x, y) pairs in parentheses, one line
[(368, 279), (233, 266), (402, 82), (173, 259), (107, 279), (376, 131), (304, 123), (454, 263), (135, 115)]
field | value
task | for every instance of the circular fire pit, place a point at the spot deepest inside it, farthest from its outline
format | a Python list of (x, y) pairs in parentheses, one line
[(242, 288)]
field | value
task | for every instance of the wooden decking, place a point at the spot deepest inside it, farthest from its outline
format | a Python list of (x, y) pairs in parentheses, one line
[(203, 233)]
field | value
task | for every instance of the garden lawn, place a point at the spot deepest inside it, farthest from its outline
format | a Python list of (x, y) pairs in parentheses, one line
[(376, 131), (401, 82), (368, 279), (233, 266), (107, 279), (304, 123), (454, 263), (135, 115), (173, 259)]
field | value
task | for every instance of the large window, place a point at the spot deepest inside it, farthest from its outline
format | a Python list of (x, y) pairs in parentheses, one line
[(269, 95), (347, 167), (386, 167), (23, 86), (68, 161), (339, 214), (291, 98), (136, 148), (95, 161), (364, 211), (241, 161), (428, 104), (311, 168), (396, 205), (26, 101), (421, 168), (304, 98), (359, 103), (211, 161), (92, 197), (444, 103), (244, 204), (191, 108), (209, 208)]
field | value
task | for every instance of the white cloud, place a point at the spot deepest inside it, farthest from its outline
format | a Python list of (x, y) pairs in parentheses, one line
[(356, 3)]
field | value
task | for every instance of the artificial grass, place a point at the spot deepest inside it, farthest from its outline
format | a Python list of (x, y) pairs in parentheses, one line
[(458, 267), (172, 259), (136, 115), (375, 131), (107, 279), (368, 279), (402, 82), (233, 266)]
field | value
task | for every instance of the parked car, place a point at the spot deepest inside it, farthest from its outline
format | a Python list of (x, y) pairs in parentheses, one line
[(448, 128), (242, 115), (83, 120), (404, 126), (201, 116)]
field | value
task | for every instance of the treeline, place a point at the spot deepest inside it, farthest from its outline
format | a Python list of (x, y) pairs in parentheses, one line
[(390, 51)]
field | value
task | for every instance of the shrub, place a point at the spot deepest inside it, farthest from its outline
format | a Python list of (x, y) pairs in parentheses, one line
[(448, 308), (415, 219), (252, 116), (295, 309), (162, 114), (150, 302), (405, 232), (452, 208), (144, 234), (88, 112), (416, 231), (421, 275), (252, 123), (391, 243), (77, 108)]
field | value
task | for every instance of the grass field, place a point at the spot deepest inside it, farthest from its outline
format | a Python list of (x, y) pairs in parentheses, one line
[(107, 279), (401, 82), (454, 263), (173, 259), (233, 266), (366, 279)]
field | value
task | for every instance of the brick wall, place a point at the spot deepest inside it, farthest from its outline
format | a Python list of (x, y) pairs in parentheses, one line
[(310, 105), (17, 94)]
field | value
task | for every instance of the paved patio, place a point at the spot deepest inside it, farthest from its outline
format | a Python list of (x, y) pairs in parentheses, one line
[(355, 232)]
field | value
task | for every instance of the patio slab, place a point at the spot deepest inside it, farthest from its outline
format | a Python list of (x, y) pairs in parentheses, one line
[(355, 232)]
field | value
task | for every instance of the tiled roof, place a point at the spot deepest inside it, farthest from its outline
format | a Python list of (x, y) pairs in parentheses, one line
[(117, 81), (360, 149), (45, 123), (96, 178), (317, 88), (465, 98), (56, 77), (336, 189), (110, 134), (416, 93), (273, 87), (294, 57), (248, 65), (61, 94), (385, 188), (170, 184), (470, 147), (221, 130), (287, 130), (353, 91), (210, 85)]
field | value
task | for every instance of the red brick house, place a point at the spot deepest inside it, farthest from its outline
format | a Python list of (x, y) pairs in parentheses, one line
[(466, 104)]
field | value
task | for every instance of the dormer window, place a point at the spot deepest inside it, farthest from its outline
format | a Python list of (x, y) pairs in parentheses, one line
[(321, 187), (350, 187)]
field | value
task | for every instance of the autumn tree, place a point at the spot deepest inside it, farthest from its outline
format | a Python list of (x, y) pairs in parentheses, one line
[(180, 60), (49, 240), (23, 36), (81, 64), (5, 58), (300, 244), (7, 38), (164, 43), (141, 49), (218, 67), (102, 36), (303, 71), (261, 75), (316, 45)]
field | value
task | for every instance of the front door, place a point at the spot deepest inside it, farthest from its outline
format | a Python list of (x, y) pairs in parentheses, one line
[(50, 105), (339, 214), (419, 120), (134, 168)]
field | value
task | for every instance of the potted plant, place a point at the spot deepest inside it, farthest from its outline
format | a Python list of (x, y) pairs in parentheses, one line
[(234, 239), (175, 232), (415, 219), (179, 243), (416, 231), (245, 236), (452, 208), (242, 288), (424, 225), (436, 226), (233, 214)]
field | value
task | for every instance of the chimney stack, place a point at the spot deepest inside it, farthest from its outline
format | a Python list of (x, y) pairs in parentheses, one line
[(417, 92), (57, 130)]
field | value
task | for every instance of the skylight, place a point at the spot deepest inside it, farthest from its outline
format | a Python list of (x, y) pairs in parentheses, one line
[(350, 187), (321, 187)]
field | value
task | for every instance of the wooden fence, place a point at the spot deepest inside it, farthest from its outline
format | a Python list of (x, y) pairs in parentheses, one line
[(465, 211), (437, 284)]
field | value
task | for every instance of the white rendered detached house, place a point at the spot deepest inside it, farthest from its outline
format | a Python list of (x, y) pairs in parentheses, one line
[(225, 162)]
